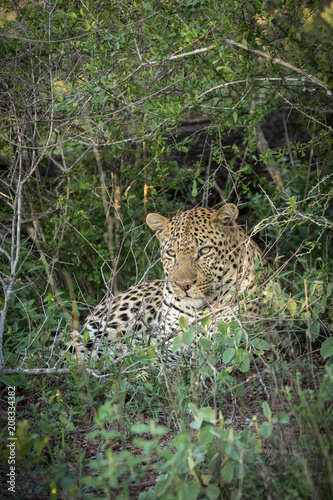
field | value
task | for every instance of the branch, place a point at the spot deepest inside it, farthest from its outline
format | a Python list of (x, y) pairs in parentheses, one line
[(37, 371), (277, 60), (197, 51), (39, 216)]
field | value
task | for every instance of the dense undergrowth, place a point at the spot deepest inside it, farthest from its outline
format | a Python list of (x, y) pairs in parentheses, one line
[(263, 434), (109, 111)]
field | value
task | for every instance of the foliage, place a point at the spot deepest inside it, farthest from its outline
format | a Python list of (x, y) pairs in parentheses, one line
[(109, 111), (207, 457)]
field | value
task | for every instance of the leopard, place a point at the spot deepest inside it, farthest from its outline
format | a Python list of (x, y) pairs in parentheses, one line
[(210, 268)]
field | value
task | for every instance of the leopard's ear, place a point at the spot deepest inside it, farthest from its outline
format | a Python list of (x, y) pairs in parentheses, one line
[(227, 215), (156, 222)]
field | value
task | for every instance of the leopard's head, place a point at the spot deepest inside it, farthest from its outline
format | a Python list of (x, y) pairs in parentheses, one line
[(201, 249)]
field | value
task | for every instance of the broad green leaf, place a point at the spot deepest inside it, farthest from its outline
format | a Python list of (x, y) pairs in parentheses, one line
[(238, 338), (206, 321), (267, 410), (140, 428), (188, 336), (266, 429), (245, 365), (7, 380), (212, 492), (326, 349), (228, 355), (150, 352), (205, 436), (261, 344), (205, 343), (208, 414), (240, 391), (292, 306), (162, 484), (183, 323), (206, 370), (228, 472), (194, 409), (177, 342), (223, 327), (245, 436), (281, 418), (189, 490), (196, 424)]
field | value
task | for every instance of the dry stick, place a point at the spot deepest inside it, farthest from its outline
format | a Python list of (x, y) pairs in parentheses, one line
[(37, 371), (14, 254), (117, 218), (197, 51), (145, 173)]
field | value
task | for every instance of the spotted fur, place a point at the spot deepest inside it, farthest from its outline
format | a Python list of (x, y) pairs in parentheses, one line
[(208, 263)]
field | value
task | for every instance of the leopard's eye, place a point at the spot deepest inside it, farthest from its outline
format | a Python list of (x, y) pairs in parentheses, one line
[(171, 253), (204, 251)]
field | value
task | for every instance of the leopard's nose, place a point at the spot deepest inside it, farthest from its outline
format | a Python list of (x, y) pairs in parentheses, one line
[(184, 286)]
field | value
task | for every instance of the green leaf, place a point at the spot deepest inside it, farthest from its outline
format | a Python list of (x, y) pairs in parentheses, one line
[(267, 410), (183, 323), (206, 370), (261, 344), (228, 472), (205, 436), (188, 336), (281, 418), (245, 436), (266, 429), (189, 490), (150, 352), (245, 365), (7, 380), (162, 484), (206, 321), (140, 428), (212, 492), (205, 343), (228, 355), (292, 306), (240, 391), (326, 349), (223, 327), (177, 342), (207, 414), (196, 424), (86, 336)]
